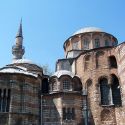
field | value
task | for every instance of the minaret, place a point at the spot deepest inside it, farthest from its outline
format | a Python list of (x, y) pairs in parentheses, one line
[(18, 50)]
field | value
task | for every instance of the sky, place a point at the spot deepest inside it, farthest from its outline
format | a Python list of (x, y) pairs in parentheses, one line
[(48, 23)]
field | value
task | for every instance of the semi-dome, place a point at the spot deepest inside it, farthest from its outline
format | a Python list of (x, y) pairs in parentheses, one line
[(88, 29)]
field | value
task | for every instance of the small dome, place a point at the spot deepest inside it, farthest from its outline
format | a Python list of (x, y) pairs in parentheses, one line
[(88, 29), (17, 69), (60, 73), (23, 61)]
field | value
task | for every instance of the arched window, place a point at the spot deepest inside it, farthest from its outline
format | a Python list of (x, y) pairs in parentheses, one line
[(97, 43), (85, 44), (8, 100), (4, 101), (66, 84), (75, 45), (105, 91), (99, 58), (106, 42), (87, 62), (116, 94), (112, 62)]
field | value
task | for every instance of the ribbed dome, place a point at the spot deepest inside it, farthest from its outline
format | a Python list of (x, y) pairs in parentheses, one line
[(88, 29)]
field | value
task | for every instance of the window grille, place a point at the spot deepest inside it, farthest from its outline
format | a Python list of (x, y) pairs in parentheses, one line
[(66, 85)]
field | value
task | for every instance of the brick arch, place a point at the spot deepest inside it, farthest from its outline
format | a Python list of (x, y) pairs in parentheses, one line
[(112, 61), (53, 84), (88, 83), (77, 85), (101, 77)]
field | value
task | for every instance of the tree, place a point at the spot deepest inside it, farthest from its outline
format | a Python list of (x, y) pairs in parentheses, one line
[(46, 70)]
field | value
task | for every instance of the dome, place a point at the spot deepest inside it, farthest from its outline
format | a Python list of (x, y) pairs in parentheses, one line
[(60, 73), (16, 69), (88, 29), (23, 61)]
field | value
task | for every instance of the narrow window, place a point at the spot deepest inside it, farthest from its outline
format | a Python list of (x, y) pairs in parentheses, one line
[(75, 45), (68, 114), (64, 113), (8, 100), (86, 44), (4, 101), (105, 91), (106, 42), (73, 114), (97, 43)]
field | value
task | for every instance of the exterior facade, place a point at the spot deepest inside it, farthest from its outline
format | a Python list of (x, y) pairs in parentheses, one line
[(87, 87)]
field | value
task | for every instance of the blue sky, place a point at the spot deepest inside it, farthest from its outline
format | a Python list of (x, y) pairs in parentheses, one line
[(48, 23)]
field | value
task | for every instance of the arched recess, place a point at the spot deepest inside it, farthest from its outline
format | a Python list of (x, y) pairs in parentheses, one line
[(104, 91), (77, 85), (45, 86), (112, 62), (116, 94), (87, 62), (53, 84), (99, 59)]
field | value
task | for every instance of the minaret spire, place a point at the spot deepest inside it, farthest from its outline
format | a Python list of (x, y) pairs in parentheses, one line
[(19, 33), (18, 50)]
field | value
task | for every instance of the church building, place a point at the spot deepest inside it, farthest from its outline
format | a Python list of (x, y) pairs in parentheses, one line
[(87, 88)]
